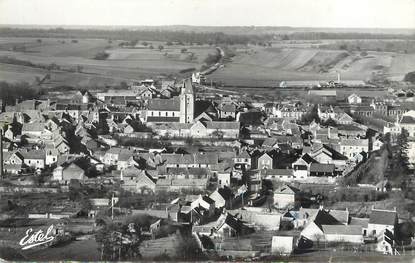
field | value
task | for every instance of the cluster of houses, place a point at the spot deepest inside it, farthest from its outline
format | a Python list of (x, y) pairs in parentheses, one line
[(224, 147)]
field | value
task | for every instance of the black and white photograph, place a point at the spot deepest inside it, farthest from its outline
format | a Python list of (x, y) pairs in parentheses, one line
[(207, 131)]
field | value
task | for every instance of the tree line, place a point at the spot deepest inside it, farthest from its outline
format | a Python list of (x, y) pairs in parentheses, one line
[(130, 35), (171, 36)]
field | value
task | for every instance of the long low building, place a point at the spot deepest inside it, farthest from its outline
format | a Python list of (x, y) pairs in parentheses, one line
[(199, 129)]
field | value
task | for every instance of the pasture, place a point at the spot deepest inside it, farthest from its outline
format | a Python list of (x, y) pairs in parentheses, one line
[(319, 60), (122, 64), (310, 61)]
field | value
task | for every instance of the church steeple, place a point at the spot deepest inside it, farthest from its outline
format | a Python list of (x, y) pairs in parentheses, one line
[(187, 87), (187, 101)]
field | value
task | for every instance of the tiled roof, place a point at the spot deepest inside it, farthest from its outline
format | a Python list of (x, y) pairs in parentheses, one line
[(33, 154), (164, 104), (342, 229), (322, 168), (223, 125), (279, 172), (407, 120), (308, 159), (286, 189), (33, 127), (162, 119), (359, 221), (228, 108), (198, 158), (383, 217), (354, 142)]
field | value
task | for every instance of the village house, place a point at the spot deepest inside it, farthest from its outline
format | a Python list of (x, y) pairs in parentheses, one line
[(222, 197), (243, 159), (227, 111), (218, 129), (286, 197), (352, 147), (137, 181), (206, 203), (282, 245), (225, 226), (264, 161), (301, 167), (381, 220), (67, 172), (34, 158), (286, 175), (354, 99)]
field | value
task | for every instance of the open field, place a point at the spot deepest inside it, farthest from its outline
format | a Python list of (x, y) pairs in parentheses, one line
[(121, 64), (86, 250), (309, 61), (293, 60)]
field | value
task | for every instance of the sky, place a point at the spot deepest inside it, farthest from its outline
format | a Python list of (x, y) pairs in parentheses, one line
[(295, 13)]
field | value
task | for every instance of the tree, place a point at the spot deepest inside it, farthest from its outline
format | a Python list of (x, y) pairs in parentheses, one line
[(400, 159), (330, 122), (160, 47), (217, 134), (102, 127), (311, 116), (410, 77), (101, 55), (388, 187), (343, 46), (183, 50), (363, 53), (123, 85), (189, 250)]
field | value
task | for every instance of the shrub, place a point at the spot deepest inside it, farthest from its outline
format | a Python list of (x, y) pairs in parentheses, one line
[(101, 55)]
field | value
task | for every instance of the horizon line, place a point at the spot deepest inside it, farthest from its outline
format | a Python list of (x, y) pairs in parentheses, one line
[(212, 26)]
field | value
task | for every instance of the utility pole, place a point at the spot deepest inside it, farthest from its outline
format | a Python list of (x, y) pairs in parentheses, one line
[(112, 207)]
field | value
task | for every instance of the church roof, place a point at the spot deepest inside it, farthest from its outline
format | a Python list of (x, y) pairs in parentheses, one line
[(164, 104)]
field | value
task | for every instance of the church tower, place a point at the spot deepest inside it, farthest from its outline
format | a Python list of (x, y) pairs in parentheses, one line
[(187, 102)]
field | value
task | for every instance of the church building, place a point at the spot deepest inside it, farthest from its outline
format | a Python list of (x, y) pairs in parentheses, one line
[(177, 109)]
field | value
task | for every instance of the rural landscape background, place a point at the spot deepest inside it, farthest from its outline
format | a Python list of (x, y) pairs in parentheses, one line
[(254, 56)]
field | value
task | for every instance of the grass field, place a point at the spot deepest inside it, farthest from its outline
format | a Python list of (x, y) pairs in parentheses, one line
[(86, 250), (267, 66), (122, 63), (251, 66)]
